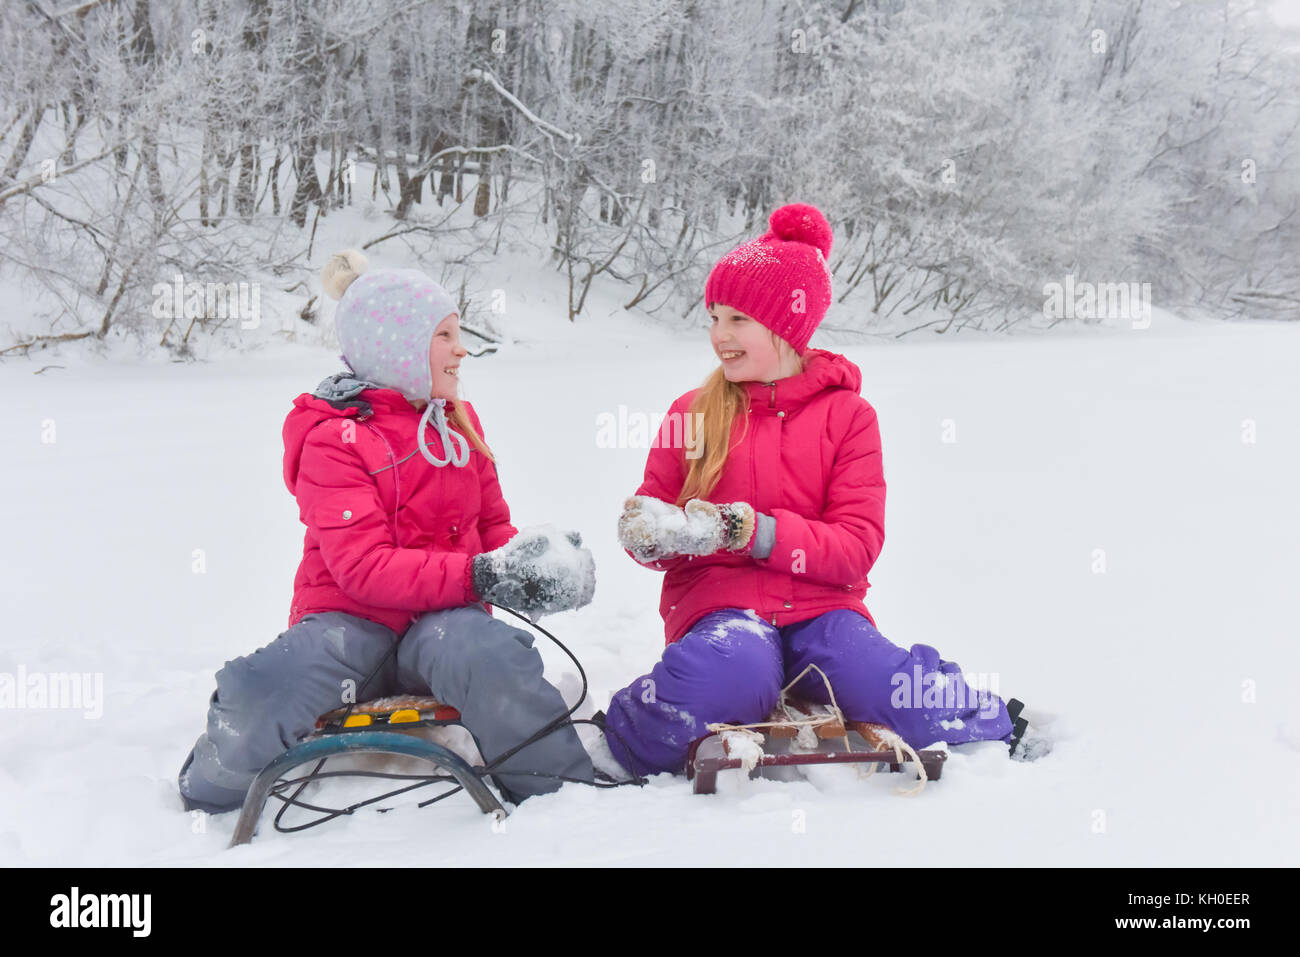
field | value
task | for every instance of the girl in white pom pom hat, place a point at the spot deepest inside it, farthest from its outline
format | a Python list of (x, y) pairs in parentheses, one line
[(407, 535), (767, 527)]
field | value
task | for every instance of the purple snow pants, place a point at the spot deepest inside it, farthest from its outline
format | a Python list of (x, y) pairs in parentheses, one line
[(731, 666)]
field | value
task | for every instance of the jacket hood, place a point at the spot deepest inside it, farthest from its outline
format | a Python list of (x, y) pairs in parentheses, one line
[(341, 396), (822, 371)]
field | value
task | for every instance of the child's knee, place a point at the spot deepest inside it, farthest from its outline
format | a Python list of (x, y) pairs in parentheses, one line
[(449, 649), (757, 675), (750, 661), (466, 626), (738, 679)]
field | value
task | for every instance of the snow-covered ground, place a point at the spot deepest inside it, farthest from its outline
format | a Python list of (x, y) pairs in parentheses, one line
[(1105, 520)]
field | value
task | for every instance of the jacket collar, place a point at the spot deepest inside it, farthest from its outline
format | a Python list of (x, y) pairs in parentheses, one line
[(346, 393), (822, 372)]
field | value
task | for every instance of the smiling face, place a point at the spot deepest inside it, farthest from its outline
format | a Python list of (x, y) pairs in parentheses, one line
[(748, 350), (445, 353)]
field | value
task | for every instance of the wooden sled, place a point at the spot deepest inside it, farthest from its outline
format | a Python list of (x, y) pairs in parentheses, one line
[(381, 726), (815, 735)]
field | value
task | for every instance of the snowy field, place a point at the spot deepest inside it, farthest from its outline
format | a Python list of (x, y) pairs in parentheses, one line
[(1113, 535)]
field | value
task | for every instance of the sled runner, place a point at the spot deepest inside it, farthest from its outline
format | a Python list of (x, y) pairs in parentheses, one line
[(799, 733), (380, 726)]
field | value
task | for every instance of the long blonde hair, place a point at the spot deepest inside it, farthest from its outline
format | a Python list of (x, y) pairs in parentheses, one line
[(717, 403), (460, 419)]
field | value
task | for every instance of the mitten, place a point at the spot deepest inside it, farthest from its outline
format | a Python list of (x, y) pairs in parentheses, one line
[(713, 528), (646, 528), (538, 572)]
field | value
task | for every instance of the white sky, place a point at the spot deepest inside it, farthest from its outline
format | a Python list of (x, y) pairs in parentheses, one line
[(1285, 12)]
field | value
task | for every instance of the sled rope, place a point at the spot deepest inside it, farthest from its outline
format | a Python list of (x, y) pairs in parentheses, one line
[(889, 737), (901, 747), (811, 721)]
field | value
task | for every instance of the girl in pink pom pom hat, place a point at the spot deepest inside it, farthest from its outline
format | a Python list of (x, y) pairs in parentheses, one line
[(767, 526)]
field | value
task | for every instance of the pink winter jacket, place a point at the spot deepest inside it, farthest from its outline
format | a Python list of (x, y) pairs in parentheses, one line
[(810, 458), (385, 543)]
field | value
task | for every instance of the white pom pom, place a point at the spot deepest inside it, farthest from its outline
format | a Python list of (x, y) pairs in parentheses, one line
[(339, 272)]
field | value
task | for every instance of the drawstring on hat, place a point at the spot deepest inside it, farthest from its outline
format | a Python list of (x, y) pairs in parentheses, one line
[(453, 443)]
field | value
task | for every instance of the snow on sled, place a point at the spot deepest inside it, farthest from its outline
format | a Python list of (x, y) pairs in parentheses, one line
[(386, 726), (799, 733)]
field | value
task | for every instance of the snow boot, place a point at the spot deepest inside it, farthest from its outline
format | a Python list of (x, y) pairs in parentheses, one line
[(1027, 742), (1018, 724), (603, 761)]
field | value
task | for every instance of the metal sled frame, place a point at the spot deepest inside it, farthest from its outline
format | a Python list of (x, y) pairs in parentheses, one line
[(708, 755), (352, 731)]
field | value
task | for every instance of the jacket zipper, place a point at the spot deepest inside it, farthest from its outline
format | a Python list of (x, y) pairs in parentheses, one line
[(771, 404)]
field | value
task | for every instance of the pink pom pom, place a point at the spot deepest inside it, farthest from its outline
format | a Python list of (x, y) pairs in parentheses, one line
[(802, 223)]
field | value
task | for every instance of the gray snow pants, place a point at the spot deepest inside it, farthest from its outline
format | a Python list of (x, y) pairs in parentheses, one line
[(486, 669)]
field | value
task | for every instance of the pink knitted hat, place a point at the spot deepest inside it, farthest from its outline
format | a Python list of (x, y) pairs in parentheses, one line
[(782, 278)]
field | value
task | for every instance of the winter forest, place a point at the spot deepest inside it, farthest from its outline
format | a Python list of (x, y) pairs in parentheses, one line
[(1058, 278), (972, 152)]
